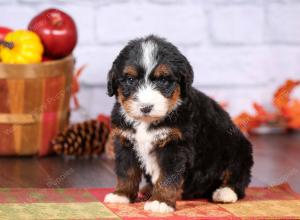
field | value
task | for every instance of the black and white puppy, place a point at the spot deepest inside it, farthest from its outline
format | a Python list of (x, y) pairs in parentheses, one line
[(182, 141)]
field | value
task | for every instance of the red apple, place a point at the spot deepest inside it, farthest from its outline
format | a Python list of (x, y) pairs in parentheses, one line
[(4, 31), (57, 31), (46, 59)]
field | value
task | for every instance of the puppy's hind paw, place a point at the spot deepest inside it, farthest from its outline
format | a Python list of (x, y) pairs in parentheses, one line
[(114, 198)]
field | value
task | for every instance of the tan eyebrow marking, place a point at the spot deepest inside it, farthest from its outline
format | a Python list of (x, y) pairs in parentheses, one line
[(131, 71), (162, 70)]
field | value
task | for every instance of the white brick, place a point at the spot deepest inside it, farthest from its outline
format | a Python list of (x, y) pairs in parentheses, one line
[(16, 17), (91, 2), (240, 99), (178, 23), (168, 1), (33, 1), (86, 99), (283, 23), (283, 63), (94, 101), (99, 61), (6, 1), (226, 2), (103, 103), (229, 66), (245, 65), (237, 24), (83, 15)]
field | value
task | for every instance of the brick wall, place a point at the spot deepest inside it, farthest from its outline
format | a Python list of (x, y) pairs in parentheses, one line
[(240, 49)]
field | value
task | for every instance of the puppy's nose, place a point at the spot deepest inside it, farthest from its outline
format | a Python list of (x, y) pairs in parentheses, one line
[(146, 109)]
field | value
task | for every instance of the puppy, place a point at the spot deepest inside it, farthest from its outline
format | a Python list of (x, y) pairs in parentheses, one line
[(182, 141)]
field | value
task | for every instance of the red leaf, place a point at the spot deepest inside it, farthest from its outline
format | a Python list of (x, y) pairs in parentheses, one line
[(282, 95)]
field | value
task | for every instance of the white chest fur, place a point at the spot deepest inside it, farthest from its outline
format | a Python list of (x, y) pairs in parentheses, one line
[(143, 145)]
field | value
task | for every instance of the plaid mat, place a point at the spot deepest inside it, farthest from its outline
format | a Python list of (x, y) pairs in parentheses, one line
[(277, 202)]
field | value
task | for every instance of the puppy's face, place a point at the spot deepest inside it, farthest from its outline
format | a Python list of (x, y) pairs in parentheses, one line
[(147, 79)]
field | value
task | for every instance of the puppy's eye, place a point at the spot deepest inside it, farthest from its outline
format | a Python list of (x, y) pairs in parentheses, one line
[(130, 80), (164, 81)]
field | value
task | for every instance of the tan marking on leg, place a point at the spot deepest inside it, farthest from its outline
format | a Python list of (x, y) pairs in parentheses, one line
[(129, 187), (167, 191), (119, 133), (146, 191), (225, 177), (164, 196), (174, 134)]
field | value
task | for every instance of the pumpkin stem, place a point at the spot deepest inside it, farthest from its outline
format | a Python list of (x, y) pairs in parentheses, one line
[(9, 45)]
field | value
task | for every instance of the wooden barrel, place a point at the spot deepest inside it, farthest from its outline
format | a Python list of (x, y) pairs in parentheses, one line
[(34, 105)]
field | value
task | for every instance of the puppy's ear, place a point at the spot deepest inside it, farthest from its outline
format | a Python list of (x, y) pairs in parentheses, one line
[(111, 82), (187, 75)]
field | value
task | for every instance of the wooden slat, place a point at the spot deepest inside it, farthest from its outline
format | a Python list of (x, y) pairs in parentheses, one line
[(54, 87), (32, 105), (6, 130), (16, 99), (17, 119)]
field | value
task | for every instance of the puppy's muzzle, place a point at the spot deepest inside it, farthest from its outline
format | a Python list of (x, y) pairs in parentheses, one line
[(146, 109)]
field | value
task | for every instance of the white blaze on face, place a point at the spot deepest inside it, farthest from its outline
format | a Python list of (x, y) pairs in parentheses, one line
[(149, 53), (147, 94)]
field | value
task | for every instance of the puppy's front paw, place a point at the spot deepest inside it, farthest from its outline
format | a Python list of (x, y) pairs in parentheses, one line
[(114, 198), (225, 195), (156, 206)]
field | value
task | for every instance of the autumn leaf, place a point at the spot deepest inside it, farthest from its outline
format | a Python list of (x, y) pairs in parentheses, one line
[(282, 95), (288, 113), (246, 122), (105, 119), (75, 85), (292, 114), (261, 114), (75, 82)]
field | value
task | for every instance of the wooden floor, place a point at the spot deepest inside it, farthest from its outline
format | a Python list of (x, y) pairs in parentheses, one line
[(277, 160)]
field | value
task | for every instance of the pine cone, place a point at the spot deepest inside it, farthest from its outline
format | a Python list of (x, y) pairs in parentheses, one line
[(109, 147), (82, 139)]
